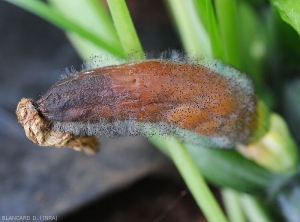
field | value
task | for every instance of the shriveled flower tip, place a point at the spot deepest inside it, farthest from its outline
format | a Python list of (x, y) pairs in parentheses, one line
[(38, 131)]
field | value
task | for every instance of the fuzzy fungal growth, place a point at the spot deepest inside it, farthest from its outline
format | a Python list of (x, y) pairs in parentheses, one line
[(187, 99)]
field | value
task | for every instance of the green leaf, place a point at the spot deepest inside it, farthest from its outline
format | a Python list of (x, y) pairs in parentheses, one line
[(206, 14), (125, 28), (225, 168), (194, 180), (252, 44), (228, 168), (53, 16), (233, 206), (289, 11), (254, 209), (191, 30), (226, 11), (93, 16)]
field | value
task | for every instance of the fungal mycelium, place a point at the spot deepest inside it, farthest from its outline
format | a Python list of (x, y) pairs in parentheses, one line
[(188, 99)]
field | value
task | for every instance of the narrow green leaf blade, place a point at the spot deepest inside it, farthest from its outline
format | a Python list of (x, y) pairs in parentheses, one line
[(191, 30), (206, 14), (125, 29), (194, 181), (226, 11)]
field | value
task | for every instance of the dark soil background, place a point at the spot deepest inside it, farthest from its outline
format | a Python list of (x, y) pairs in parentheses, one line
[(153, 199)]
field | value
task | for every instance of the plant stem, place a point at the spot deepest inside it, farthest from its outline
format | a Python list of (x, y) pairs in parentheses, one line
[(125, 29), (194, 181)]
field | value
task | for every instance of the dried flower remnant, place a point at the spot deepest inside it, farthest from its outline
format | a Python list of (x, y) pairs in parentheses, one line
[(212, 101), (37, 130)]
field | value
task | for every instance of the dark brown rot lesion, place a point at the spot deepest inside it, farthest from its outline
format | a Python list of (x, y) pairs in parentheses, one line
[(186, 95)]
